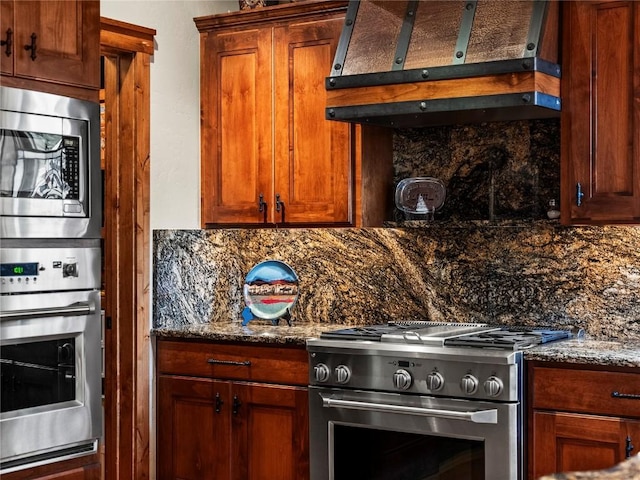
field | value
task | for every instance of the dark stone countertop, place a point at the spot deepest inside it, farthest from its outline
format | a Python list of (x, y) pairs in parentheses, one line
[(618, 353), (611, 353), (257, 331), (627, 470)]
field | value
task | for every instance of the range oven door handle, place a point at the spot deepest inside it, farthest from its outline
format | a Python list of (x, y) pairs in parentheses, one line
[(477, 416), (79, 308)]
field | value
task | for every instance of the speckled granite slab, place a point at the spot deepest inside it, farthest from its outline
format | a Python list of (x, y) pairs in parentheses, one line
[(613, 353), (258, 331), (623, 353), (537, 273), (627, 470)]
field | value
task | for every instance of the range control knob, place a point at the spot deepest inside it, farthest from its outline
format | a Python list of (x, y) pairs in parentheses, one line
[(321, 372), (343, 374), (402, 379), (435, 381), (469, 384), (493, 386)]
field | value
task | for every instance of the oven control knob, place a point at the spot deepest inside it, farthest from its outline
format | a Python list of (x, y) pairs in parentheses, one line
[(469, 384), (321, 372), (435, 381), (402, 379), (493, 386), (69, 270), (343, 374)]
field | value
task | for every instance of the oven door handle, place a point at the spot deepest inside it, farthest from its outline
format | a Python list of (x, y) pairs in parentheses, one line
[(477, 416), (79, 308)]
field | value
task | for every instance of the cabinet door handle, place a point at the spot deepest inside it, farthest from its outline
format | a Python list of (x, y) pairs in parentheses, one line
[(214, 361), (8, 43), (280, 207), (626, 396), (579, 194), (33, 46), (628, 448), (219, 403), (262, 205), (236, 404)]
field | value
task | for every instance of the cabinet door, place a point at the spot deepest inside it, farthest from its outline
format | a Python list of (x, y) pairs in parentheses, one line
[(313, 156), (6, 35), (67, 41), (570, 442), (601, 112), (270, 432), (193, 428), (236, 156)]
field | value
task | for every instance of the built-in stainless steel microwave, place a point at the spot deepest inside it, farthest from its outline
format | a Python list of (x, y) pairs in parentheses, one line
[(50, 178)]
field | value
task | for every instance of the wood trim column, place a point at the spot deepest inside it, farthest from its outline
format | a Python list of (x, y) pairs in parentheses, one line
[(127, 51)]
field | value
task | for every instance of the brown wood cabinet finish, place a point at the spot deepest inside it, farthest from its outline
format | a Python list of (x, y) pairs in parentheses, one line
[(601, 112), (268, 154), (52, 46), (82, 468), (576, 422), (231, 411)]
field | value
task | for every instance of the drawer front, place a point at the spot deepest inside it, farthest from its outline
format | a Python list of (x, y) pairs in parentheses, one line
[(261, 363), (585, 391)]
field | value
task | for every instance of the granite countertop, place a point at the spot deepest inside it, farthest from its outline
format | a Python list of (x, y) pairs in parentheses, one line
[(613, 353), (619, 353), (257, 331), (627, 470)]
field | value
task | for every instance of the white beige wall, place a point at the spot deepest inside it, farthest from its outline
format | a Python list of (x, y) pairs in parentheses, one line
[(175, 114)]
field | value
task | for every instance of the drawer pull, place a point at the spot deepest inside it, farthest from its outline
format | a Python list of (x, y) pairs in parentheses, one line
[(629, 396), (214, 361)]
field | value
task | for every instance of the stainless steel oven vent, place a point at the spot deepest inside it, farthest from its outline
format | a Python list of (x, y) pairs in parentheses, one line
[(413, 63)]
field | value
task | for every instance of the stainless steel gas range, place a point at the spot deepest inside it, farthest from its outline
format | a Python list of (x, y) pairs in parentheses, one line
[(419, 400)]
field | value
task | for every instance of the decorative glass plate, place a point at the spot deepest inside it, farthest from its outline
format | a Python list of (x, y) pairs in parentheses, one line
[(420, 195), (271, 290)]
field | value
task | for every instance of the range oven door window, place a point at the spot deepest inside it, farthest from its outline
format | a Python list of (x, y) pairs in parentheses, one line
[(35, 374), (389, 455), (358, 435)]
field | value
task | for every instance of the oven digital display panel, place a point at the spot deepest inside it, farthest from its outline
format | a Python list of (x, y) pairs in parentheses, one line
[(18, 269)]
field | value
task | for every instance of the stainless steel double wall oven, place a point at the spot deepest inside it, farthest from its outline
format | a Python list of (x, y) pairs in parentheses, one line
[(50, 278)]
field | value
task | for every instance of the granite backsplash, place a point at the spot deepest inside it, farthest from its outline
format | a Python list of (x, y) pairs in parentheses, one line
[(539, 273), (490, 256)]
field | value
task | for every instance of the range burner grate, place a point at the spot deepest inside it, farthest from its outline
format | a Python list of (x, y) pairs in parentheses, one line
[(367, 332), (514, 339)]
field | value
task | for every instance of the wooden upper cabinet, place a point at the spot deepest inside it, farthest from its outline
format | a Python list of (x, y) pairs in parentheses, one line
[(268, 154), (7, 36), (313, 161), (53, 45), (601, 112), (237, 113)]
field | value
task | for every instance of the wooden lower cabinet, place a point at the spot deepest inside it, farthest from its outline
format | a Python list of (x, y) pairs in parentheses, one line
[(576, 420), (234, 423), (567, 442), (82, 468)]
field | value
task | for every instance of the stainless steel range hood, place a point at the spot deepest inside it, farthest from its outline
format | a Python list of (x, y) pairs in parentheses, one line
[(417, 63)]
